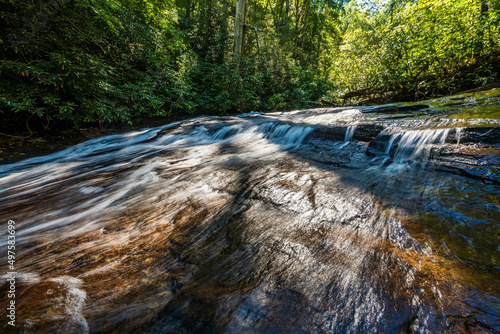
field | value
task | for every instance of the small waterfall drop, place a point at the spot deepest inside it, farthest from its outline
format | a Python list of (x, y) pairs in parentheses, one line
[(416, 145), (277, 222), (349, 133), (285, 134), (458, 134)]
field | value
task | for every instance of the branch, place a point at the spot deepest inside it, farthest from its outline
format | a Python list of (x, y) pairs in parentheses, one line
[(256, 37)]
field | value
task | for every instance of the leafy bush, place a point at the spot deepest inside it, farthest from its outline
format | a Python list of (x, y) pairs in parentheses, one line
[(419, 48), (86, 61)]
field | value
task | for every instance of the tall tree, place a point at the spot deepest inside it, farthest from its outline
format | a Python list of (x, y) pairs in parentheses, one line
[(239, 25)]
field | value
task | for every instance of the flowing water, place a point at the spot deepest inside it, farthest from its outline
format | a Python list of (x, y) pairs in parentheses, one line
[(344, 220)]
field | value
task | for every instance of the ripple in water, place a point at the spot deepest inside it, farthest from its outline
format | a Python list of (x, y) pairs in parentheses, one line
[(258, 224)]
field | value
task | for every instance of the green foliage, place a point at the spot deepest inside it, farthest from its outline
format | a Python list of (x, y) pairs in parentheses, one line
[(418, 48), (116, 60), (85, 60)]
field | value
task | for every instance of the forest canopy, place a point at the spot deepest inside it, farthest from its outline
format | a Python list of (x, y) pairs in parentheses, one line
[(82, 61)]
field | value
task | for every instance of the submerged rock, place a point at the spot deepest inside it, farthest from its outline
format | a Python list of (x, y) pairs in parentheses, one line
[(309, 221)]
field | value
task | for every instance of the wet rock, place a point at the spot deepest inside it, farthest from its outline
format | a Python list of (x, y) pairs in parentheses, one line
[(481, 135), (363, 132), (367, 132), (478, 163), (476, 135), (328, 133), (391, 109), (378, 145), (272, 223)]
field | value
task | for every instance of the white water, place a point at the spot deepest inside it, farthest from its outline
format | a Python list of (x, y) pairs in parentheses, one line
[(349, 133), (254, 224)]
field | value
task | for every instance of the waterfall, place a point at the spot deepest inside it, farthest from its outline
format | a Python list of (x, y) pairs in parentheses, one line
[(349, 133), (416, 145), (261, 223), (459, 134)]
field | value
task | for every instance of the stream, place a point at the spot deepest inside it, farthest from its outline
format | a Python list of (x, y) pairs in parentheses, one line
[(381, 219)]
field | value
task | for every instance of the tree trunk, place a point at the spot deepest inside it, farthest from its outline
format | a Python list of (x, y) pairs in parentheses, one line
[(245, 30), (239, 25), (188, 10), (304, 30), (286, 16)]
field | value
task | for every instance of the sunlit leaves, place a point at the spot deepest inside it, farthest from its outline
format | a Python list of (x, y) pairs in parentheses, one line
[(412, 46)]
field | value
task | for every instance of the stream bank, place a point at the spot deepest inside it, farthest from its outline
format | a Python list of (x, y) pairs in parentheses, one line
[(380, 219)]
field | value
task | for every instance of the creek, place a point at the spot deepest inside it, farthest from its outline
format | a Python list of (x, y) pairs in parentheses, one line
[(380, 219)]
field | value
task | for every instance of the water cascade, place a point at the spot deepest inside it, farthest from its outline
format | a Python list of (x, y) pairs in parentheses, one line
[(262, 223), (350, 133)]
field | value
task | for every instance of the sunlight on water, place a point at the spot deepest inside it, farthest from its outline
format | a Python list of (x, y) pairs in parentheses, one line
[(324, 220)]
